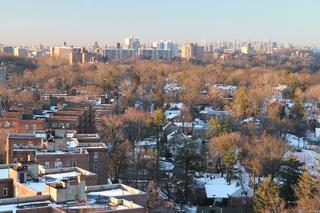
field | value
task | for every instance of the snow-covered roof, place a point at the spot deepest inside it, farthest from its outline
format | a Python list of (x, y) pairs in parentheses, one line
[(60, 176), (166, 166), (111, 193), (226, 87), (72, 143), (250, 119), (219, 188), (281, 87), (4, 173), (175, 132), (211, 111), (172, 113), (185, 124), (178, 105), (146, 142), (14, 207), (36, 186)]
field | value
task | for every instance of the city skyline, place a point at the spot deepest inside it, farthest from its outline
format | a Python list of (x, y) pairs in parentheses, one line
[(82, 22)]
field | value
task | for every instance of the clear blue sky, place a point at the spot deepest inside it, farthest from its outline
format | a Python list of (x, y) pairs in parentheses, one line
[(106, 21)]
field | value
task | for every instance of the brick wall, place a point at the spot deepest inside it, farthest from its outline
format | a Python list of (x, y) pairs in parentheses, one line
[(8, 185)]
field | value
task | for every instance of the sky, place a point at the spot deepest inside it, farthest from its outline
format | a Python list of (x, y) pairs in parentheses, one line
[(82, 22)]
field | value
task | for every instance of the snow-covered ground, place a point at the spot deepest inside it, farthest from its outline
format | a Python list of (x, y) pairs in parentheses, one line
[(166, 166), (295, 141), (309, 157)]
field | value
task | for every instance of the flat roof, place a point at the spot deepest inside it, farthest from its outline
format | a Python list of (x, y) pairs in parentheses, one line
[(4, 173), (15, 207), (111, 193), (36, 186), (63, 175)]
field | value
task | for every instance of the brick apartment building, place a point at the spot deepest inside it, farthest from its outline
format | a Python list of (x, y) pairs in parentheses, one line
[(88, 113), (22, 147), (13, 122), (98, 155), (79, 117), (6, 188), (59, 159)]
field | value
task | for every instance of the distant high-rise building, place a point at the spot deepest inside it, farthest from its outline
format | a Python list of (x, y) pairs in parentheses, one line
[(187, 51), (167, 45), (190, 50), (72, 54), (132, 43), (155, 54), (247, 49), (20, 52), (6, 50), (117, 54), (95, 45), (4, 75)]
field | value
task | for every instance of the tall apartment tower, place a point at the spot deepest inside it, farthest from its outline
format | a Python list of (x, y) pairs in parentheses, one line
[(132, 43), (188, 51)]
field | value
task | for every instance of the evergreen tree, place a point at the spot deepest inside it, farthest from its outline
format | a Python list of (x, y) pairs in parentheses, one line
[(267, 197), (190, 162), (157, 122), (308, 193), (289, 176)]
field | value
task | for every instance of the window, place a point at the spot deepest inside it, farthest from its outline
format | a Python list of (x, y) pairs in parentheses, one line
[(26, 126), (54, 125), (34, 126), (95, 167), (68, 163), (74, 163), (5, 192), (6, 124), (244, 201), (95, 156), (58, 164), (47, 165), (21, 159), (15, 160)]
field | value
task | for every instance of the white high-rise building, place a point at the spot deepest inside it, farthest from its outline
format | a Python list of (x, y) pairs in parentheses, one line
[(167, 45), (132, 43)]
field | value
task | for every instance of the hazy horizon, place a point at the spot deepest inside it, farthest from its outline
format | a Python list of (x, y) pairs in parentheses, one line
[(82, 22)]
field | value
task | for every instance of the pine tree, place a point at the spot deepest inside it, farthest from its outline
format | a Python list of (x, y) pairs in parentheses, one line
[(289, 176), (190, 162), (157, 122), (267, 197), (308, 193)]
